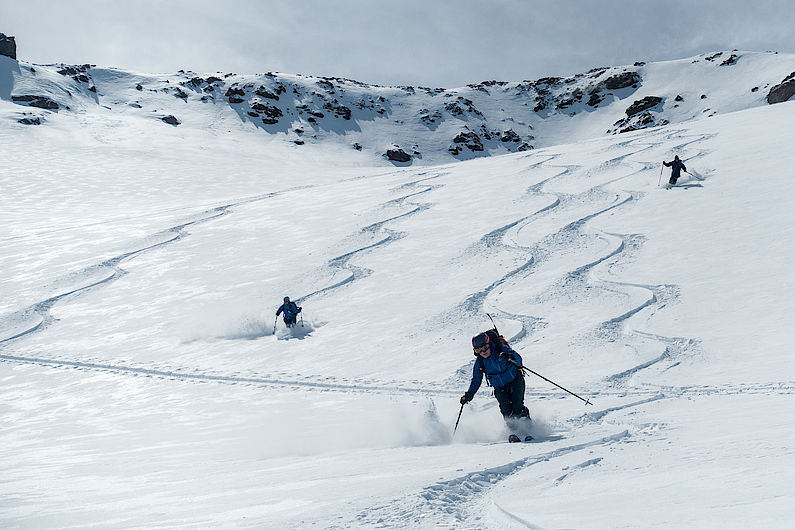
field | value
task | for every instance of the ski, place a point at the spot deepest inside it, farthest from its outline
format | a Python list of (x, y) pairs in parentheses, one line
[(533, 440), (514, 438)]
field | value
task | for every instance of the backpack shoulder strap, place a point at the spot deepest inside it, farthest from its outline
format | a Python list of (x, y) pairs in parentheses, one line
[(483, 369)]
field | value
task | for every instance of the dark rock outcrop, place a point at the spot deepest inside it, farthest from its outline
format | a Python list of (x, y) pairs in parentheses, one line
[(643, 104), (429, 118), (569, 99), (510, 136), (730, 61), (272, 113), (41, 102), (623, 80), (469, 139), (171, 120), (782, 91), (398, 155), (265, 93), (234, 95), (642, 120), (78, 73), (594, 99), (30, 121), (8, 46), (340, 111)]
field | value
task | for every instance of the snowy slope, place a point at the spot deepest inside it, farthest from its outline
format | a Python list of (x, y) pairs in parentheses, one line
[(419, 125), (143, 263)]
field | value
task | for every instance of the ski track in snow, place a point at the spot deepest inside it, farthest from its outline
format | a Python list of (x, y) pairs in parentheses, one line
[(453, 503), (581, 278), (180, 374), (39, 312), (372, 231), (458, 502)]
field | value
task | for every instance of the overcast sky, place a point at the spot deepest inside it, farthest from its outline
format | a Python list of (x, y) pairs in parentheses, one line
[(439, 43)]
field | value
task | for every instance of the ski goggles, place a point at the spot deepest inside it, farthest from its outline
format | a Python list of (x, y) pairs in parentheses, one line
[(482, 349)]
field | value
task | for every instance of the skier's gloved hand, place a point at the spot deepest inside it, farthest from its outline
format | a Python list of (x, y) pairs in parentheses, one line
[(467, 397)]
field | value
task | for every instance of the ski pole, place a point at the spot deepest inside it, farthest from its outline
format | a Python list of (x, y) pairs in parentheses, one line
[(274, 325), (659, 180), (587, 402), (492, 323), (302, 320), (459, 418)]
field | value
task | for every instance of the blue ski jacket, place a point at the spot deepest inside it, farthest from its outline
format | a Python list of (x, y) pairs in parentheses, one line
[(500, 371), (290, 310)]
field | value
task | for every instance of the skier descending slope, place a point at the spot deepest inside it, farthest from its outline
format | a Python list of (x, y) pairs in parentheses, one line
[(290, 312), (499, 363), (676, 166)]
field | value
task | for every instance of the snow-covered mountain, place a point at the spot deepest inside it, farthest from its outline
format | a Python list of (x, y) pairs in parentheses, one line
[(145, 380), (411, 124)]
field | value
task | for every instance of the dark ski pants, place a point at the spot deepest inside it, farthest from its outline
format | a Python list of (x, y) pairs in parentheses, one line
[(289, 321), (511, 399)]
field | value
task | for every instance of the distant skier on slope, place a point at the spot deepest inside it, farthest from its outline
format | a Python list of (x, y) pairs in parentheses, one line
[(290, 311), (676, 166), (500, 364)]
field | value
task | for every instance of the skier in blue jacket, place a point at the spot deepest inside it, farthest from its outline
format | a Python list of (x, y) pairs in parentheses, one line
[(500, 364), (290, 311)]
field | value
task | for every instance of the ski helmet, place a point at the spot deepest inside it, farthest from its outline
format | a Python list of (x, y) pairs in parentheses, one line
[(480, 340), (286, 299)]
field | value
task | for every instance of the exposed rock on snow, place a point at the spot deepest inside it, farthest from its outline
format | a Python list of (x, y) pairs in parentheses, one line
[(42, 102), (8, 46), (623, 80), (398, 155), (782, 91), (235, 95), (78, 73), (510, 136), (478, 120), (643, 104), (470, 139), (639, 116), (171, 120)]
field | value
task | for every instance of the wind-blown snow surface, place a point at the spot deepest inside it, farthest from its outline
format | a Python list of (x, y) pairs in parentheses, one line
[(141, 384)]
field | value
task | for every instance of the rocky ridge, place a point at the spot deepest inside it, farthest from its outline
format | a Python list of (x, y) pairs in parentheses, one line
[(406, 124)]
